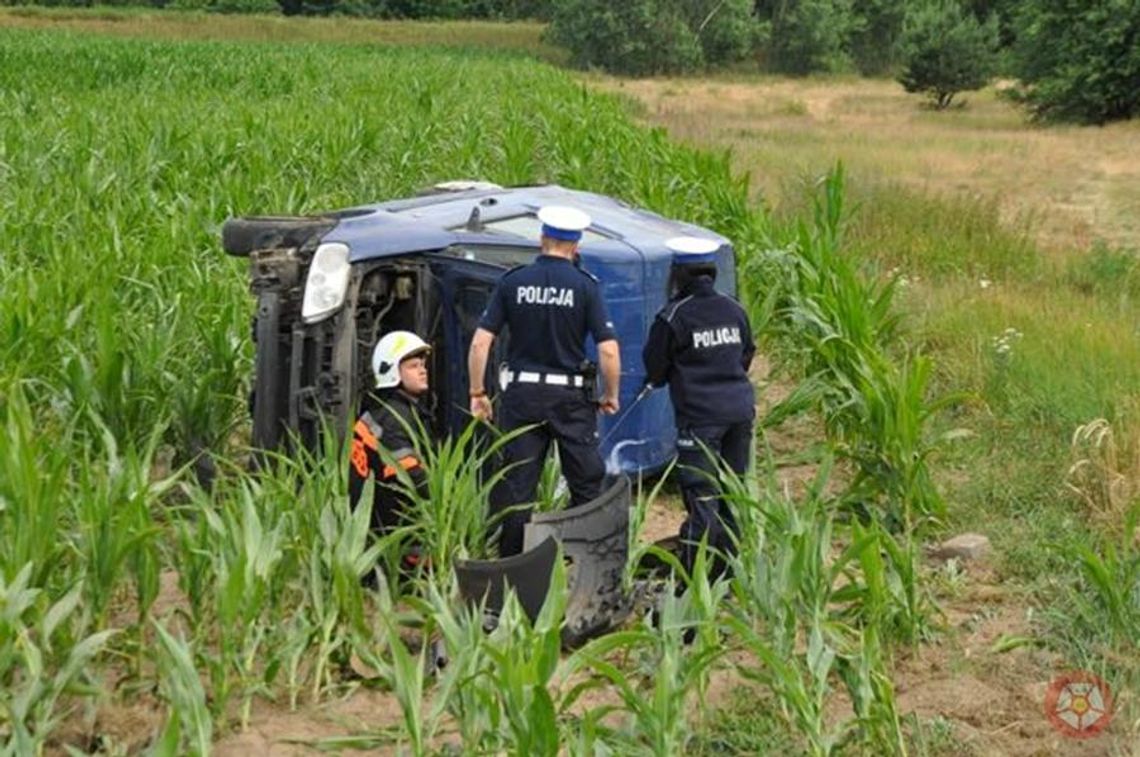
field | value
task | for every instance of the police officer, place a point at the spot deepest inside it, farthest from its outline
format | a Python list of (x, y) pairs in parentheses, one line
[(549, 306), (700, 343), (400, 368)]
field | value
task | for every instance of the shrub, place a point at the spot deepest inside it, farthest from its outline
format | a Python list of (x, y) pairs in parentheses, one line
[(638, 37), (945, 50), (724, 28), (1080, 61), (875, 34), (245, 6), (806, 35)]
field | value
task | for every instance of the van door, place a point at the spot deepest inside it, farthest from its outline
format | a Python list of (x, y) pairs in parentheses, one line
[(465, 289)]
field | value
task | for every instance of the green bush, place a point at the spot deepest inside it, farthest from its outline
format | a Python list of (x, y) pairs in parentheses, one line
[(1005, 10), (725, 28), (426, 9), (806, 35), (1079, 61), (226, 6), (245, 6), (946, 50), (875, 34), (638, 37)]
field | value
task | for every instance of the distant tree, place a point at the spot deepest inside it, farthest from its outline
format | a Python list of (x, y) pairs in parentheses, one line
[(806, 35), (874, 35), (945, 50), (226, 6), (1006, 12), (429, 9), (724, 28), (511, 9), (423, 8), (243, 6), (646, 37), (1079, 60)]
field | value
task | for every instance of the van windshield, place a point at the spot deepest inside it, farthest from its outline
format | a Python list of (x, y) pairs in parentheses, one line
[(505, 256)]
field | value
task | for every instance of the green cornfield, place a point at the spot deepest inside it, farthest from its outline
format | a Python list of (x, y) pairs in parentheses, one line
[(125, 357)]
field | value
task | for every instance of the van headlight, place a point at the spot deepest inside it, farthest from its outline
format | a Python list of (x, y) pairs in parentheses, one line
[(327, 282)]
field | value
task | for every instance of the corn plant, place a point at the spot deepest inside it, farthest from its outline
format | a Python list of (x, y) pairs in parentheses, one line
[(189, 726), (637, 550), (114, 528), (658, 667), (449, 517), (408, 673), (523, 660), (809, 299), (464, 689), (336, 602), (44, 661), (335, 553), (34, 491), (791, 599), (1110, 579), (780, 594), (495, 686), (552, 493), (245, 543), (864, 673)]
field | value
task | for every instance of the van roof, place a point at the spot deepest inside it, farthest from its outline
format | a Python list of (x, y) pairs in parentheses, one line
[(503, 216)]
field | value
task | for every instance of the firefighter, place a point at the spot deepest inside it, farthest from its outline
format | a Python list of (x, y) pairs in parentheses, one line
[(400, 367), (549, 306), (700, 344)]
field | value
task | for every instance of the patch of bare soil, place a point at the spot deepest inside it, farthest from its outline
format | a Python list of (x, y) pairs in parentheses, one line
[(274, 731), (789, 444), (126, 719), (992, 701), (111, 728)]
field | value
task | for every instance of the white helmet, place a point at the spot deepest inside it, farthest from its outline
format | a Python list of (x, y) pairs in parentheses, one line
[(392, 349)]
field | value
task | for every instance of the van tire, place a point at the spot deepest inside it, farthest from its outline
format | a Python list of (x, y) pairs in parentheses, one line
[(241, 236)]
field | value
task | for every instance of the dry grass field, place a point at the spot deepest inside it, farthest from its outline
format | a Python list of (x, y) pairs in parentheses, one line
[(1073, 185)]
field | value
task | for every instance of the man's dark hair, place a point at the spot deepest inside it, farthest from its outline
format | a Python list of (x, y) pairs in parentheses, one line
[(682, 276)]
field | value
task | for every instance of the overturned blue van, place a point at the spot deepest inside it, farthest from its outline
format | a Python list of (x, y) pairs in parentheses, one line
[(328, 286)]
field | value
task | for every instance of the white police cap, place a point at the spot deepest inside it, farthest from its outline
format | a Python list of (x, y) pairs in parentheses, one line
[(562, 222), (693, 249)]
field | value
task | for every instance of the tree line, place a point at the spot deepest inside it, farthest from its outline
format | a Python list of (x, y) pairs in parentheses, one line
[(1075, 60)]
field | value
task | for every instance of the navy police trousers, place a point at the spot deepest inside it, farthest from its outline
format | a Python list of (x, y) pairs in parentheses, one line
[(563, 415), (709, 516)]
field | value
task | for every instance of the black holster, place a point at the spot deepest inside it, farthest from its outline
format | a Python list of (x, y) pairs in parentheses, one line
[(589, 371)]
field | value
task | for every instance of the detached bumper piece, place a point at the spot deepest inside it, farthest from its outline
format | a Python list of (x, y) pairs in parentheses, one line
[(595, 544), (528, 574)]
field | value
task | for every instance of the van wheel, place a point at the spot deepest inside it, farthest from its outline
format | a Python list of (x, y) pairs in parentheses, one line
[(241, 236)]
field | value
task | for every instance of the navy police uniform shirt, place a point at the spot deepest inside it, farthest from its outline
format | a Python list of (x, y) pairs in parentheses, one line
[(550, 305), (700, 343)]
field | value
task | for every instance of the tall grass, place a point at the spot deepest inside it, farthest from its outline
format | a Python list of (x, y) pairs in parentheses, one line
[(810, 616), (843, 329)]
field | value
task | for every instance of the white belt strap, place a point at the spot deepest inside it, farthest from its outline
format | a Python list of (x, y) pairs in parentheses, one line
[(552, 379)]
